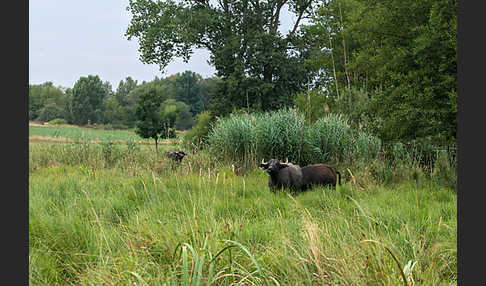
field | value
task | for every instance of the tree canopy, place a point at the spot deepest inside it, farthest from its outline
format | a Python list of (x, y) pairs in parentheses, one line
[(401, 54), (261, 68), (87, 98)]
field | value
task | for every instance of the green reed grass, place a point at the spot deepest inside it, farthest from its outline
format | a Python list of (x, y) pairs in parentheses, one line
[(284, 134), (209, 226)]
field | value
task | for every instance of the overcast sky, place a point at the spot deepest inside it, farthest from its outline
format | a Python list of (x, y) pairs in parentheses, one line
[(69, 39)]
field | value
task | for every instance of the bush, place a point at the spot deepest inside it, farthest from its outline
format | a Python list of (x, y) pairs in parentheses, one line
[(199, 132), (58, 121), (50, 112)]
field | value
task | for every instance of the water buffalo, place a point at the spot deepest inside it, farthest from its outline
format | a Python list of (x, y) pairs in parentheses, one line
[(176, 155), (319, 174), (282, 175)]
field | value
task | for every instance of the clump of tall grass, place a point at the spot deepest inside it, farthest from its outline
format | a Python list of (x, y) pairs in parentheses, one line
[(234, 138), (284, 134), (333, 140), (281, 134)]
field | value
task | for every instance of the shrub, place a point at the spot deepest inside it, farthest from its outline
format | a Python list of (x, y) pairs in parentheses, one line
[(58, 121), (199, 132)]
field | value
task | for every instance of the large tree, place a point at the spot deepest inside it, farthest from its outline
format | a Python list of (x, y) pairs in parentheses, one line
[(148, 114), (87, 100), (260, 67), (187, 91)]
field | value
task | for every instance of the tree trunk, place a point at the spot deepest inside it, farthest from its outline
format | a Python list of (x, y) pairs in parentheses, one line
[(344, 46), (156, 149), (333, 65)]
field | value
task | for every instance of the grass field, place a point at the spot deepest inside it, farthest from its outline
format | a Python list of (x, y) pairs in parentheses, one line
[(70, 133), (103, 227), (102, 214)]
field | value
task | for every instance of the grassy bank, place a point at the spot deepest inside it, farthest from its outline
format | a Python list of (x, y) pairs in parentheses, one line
[(106, 226)]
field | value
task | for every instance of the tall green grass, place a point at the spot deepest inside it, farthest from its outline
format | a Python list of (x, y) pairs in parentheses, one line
[(206, 227), (123, 214), (285, 134)]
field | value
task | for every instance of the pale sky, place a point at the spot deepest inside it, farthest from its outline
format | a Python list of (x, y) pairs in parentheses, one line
[(69, 39)]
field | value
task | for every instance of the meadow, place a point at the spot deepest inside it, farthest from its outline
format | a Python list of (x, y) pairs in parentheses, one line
[(107, 214), (72, 133)]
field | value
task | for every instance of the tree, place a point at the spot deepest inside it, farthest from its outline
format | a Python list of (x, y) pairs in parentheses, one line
[(113, 111), (149, 122), (155, 114), (207, 88), (50, 111), (197, 135), (312, 104), (180, 112), (41, 95), (400, 54), (187, 91), (124, 88), (87, 99), (260, 67)]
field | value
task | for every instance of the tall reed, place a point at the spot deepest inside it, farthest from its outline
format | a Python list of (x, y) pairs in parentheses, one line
[(284, 134)]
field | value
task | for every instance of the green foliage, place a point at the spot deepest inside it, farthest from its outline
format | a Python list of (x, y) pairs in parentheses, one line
[(356, 105), (407, 67), (179, 113), (46, 101), (284, 134), (58, 121), (313, 104), (87, 100), (198, 134), (49, 112), (123, 89), (280, 134), (150, 123), (260, 68), (187, 91), (333, 139), (207, 88)]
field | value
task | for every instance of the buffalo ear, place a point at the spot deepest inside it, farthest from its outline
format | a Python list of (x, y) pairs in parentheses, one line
[(263, 165)]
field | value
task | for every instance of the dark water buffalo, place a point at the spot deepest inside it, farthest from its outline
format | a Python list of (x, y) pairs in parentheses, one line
[(319, 174), (176, 155), (282, 175)]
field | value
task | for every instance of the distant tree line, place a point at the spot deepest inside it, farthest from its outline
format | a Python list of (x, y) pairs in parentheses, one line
[(180, 98)]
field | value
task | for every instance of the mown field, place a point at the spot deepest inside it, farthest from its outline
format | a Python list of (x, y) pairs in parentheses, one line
[(122, 215), (71, 133)]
